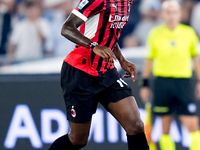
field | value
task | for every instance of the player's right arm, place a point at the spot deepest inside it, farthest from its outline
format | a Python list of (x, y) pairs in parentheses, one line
[(70, 31), (196, 63)]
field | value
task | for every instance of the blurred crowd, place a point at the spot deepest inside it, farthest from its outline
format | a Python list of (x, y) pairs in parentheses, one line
[(30, 29), (149, 11)]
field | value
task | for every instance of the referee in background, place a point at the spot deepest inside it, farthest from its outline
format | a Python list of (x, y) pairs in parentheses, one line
[(172, 46)]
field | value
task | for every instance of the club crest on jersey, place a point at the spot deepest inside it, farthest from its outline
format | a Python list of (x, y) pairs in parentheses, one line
[(73, 112), (173, 43), (192, 108), (82, 4)]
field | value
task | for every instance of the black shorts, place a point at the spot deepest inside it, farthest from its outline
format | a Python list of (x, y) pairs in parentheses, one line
[(174, 96), (82, 91)]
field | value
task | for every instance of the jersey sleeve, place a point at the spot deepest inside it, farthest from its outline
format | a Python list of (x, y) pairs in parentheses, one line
[(151, 47), (194, 44), (87, 8)]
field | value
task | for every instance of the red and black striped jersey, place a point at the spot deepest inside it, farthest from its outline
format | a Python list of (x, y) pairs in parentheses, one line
[(103, 22)]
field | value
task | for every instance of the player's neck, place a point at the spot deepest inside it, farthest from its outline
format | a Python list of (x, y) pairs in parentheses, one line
[(171, 26)]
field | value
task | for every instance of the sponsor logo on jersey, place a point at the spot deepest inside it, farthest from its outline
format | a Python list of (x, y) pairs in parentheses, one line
[(118, 21), (82, 4), (114, 18)]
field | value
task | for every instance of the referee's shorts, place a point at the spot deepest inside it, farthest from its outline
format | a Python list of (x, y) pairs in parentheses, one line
[(82, 91), (173, 96)]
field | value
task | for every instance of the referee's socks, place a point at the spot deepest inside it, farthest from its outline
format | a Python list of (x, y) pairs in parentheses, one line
[(166, 142), (195, 140)]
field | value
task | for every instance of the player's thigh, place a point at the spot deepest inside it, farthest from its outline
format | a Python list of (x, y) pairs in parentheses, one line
[(191, 122), (127, 113), (79, 94), (119, 101), (79, 132)]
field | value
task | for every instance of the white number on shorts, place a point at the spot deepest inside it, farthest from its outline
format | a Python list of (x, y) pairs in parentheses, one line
[(121, 82)]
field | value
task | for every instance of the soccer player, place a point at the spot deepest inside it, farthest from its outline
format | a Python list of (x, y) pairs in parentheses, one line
[(172, 46), (88, 75)]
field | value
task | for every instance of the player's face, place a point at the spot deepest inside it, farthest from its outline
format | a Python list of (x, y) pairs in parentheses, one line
[(171, 15)]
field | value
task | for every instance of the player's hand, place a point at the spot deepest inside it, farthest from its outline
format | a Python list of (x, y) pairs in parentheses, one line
[(130, 69), (105, 52), (197, 92), (145, 94)]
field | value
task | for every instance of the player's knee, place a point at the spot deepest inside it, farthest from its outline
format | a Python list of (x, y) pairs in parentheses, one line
[(135, 127), (79, 142)]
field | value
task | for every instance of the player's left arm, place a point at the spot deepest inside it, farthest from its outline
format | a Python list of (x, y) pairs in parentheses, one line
[(197, 71), (126, 65)]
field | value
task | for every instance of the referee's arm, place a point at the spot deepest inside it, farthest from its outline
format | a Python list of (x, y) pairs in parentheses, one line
[(147, 68), (145, 92), (197, 71)]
